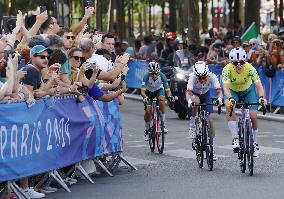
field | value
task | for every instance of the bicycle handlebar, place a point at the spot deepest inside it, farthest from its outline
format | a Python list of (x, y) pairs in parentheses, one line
[(215, 103), (246, 105)]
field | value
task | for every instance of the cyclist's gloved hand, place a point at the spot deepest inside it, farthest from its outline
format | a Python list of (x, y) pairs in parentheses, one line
[(231, 101), (262, 101), (145, 99), (190, 103), (220, 101)]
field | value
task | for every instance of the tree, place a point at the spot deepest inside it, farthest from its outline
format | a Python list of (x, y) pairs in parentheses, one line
[(163, 14), (121, 19), (173, 17), (237, 10), (194, 21), (230, 2), (276, 10), (99, 15), (252, 12), (204, 14), (281, 12)]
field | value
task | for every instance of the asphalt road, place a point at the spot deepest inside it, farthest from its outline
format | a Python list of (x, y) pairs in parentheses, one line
[(175, 174)]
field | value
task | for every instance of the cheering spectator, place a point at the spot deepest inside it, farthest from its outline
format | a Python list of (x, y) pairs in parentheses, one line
[(50, 27), (68, 38), (108, 44)]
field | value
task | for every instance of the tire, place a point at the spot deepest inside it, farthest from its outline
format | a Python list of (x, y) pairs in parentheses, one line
[(209, 156), (160, 135), (242, 150), (199, 151), (242, 156), (250, 150), (152, 140)]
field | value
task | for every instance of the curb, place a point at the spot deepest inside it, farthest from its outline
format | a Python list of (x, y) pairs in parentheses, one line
[(268, 117)]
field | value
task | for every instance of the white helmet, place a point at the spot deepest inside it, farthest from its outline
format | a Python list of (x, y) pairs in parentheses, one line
[(201, 69), (154, 67), (237, 54)]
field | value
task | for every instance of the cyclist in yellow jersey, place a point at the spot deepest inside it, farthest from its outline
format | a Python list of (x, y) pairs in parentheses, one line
[(238, 77)]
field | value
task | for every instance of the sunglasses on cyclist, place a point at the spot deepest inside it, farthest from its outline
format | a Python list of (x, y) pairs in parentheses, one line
[(238, 62), (70, 37), (154, 73), (42, 56), (77, 58), (202, 77)]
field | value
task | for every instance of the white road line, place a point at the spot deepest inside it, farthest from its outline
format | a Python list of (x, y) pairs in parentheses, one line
[(138, 161), (183, 153), (263, 149)]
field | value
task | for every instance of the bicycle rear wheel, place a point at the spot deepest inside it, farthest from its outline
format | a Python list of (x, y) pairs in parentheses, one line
[(152, 139), (250, 151), (242, 151), (199, 151), (160, 134)]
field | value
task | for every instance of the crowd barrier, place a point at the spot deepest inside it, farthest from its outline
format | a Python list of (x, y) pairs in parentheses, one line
[(54, 133), (274, 87)]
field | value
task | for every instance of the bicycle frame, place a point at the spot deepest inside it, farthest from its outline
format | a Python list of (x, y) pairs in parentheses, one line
[(156, 132)]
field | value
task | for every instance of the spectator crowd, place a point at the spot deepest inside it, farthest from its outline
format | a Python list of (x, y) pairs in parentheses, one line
[(41, 59)]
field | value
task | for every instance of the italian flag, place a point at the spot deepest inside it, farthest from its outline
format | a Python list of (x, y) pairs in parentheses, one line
[(251, 32)]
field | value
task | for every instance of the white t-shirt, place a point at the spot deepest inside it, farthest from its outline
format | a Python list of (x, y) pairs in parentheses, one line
[(201, 88)]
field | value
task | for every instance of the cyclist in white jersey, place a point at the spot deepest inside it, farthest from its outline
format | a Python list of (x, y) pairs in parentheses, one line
[(198, 92)]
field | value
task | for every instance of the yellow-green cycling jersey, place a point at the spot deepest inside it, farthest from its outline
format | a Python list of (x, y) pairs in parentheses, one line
[(239, 82)]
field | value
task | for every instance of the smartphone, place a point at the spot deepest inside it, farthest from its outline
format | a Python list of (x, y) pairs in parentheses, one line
[(42, 9), (97, 38)]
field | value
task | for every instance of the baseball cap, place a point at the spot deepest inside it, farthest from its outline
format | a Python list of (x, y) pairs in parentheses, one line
[(39, 49)]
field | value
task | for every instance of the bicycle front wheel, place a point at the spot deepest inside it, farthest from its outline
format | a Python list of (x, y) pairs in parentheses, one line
[(160, 135), (199, 151), (250, 151), (209, 156), (152, 139)]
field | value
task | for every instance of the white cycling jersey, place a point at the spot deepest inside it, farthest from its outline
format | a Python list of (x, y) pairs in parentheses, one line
[(200, 88)]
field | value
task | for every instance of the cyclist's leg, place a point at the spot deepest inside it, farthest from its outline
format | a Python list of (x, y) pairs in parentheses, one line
[(232, 121), (251, 98), (195, 99), (161, 96), (148, 111)]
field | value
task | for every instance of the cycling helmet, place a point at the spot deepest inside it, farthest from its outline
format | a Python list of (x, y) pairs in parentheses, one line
[(154, 67), (201, 69), (170, 35), (237, 54)]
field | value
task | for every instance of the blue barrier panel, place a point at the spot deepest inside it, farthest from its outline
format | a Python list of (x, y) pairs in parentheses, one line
[(55, 133), (136, 72), (278, 89)]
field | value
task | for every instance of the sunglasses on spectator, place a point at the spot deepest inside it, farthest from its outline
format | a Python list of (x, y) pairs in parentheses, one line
[(236, 42), (252, 44), (245, 45), (43, 56), (238, 62), (70, 37), (77, 58)]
